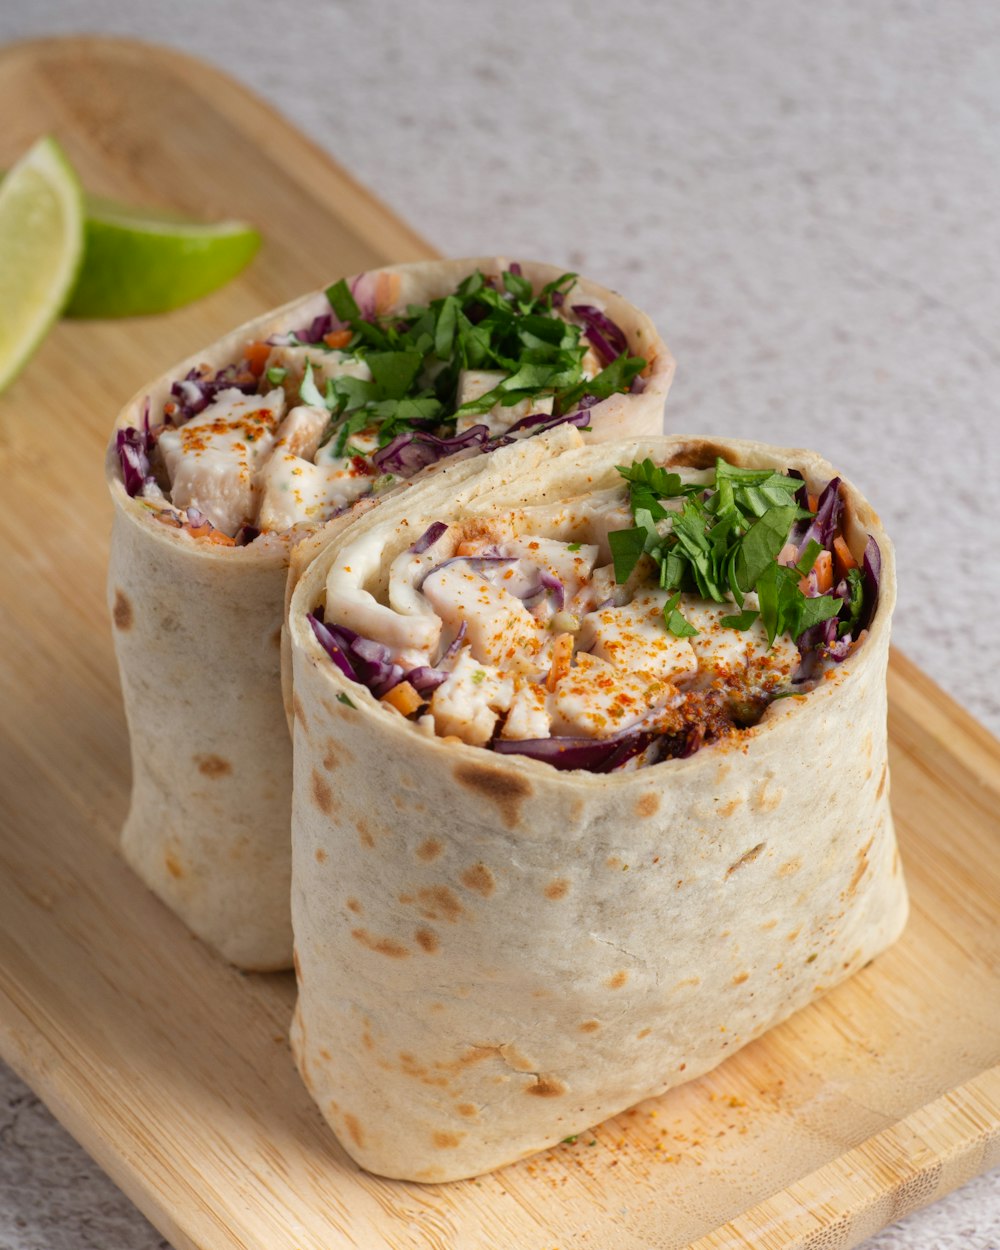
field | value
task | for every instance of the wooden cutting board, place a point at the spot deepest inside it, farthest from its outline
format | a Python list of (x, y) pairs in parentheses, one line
[(172, 1069)]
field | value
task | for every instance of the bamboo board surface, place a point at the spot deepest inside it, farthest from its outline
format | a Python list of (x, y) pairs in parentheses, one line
[(172, 1069)]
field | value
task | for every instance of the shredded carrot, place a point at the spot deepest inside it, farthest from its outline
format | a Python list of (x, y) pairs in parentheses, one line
[(466, 549), (208, 531), (823, 568), (403, 698), (813, 501), (562, 654), (338, 338), (256, 355), (842, 554)]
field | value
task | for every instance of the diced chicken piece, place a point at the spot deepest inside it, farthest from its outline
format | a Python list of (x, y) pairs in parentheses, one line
[(301, 430), (294, 490), (364, 441), (601, 587), (468, 703), (571, 567), (596, 699), (529, 715), (474, 384), (213, 459), (718, 647), (501, 630), (635, 638)]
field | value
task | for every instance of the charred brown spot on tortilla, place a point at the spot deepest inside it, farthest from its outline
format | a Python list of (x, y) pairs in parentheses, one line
[(173, 864), (121, 613), (354, 906), (557, 889), (354, 1128), (727, 809), (790, 937), (590, 1026), (447, 1141), (767, 797), (617, 981), (613, 861), (746, 858), (861, 868), (647, 804), (467, 1109), (576, 809), (700, 454), (330, 756), (881, 781), (300, 714), (320, 855), (438, 902), (213, 766), (429, 849), (643, 1033), (364, 832), (382, 946), (740, 978), (325, 1054), (427, 940), (479, 879), (322, 794), (546, 1087), (502, 787), (868, 743), (769, 924), (790, 867)]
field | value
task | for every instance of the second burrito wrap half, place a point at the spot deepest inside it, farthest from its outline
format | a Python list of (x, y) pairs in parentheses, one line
[(220, 467)]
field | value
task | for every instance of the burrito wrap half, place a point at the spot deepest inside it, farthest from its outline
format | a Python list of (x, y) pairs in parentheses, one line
[(197, 636), (493, 954)]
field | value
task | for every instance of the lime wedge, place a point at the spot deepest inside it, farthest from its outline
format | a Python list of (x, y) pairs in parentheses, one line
[(137, 261), (41, 242)]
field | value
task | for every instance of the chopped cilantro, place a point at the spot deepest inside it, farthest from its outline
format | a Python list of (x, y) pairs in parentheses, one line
[(346, 700), (722, 542), (276, 375), (675, 622), (573, 546), (479, 676), (484, 324), (570, 1141)]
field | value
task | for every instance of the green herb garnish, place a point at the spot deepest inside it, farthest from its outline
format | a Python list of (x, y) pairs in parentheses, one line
[(720, 540), (416, 358), (346, 700)]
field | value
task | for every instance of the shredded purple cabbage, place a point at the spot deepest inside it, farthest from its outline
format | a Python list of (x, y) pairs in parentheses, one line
[(424, 679), (133, 447), (456, 643), (414, 450), (198, 389), (428, 538), (824, 524), (871, 574), (595, 755), (607, 337), (331, 646)]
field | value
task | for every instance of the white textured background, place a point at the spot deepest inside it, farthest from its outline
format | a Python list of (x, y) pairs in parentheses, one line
[(805, 197)]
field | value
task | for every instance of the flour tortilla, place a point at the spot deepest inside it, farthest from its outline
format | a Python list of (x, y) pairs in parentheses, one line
[(197, 634), (493, 955)]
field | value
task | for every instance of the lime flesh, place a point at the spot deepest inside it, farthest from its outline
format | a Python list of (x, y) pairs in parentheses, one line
[(137, 261), (41, 243)]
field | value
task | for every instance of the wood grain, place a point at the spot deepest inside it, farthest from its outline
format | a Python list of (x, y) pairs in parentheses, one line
[(172, 1069)]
